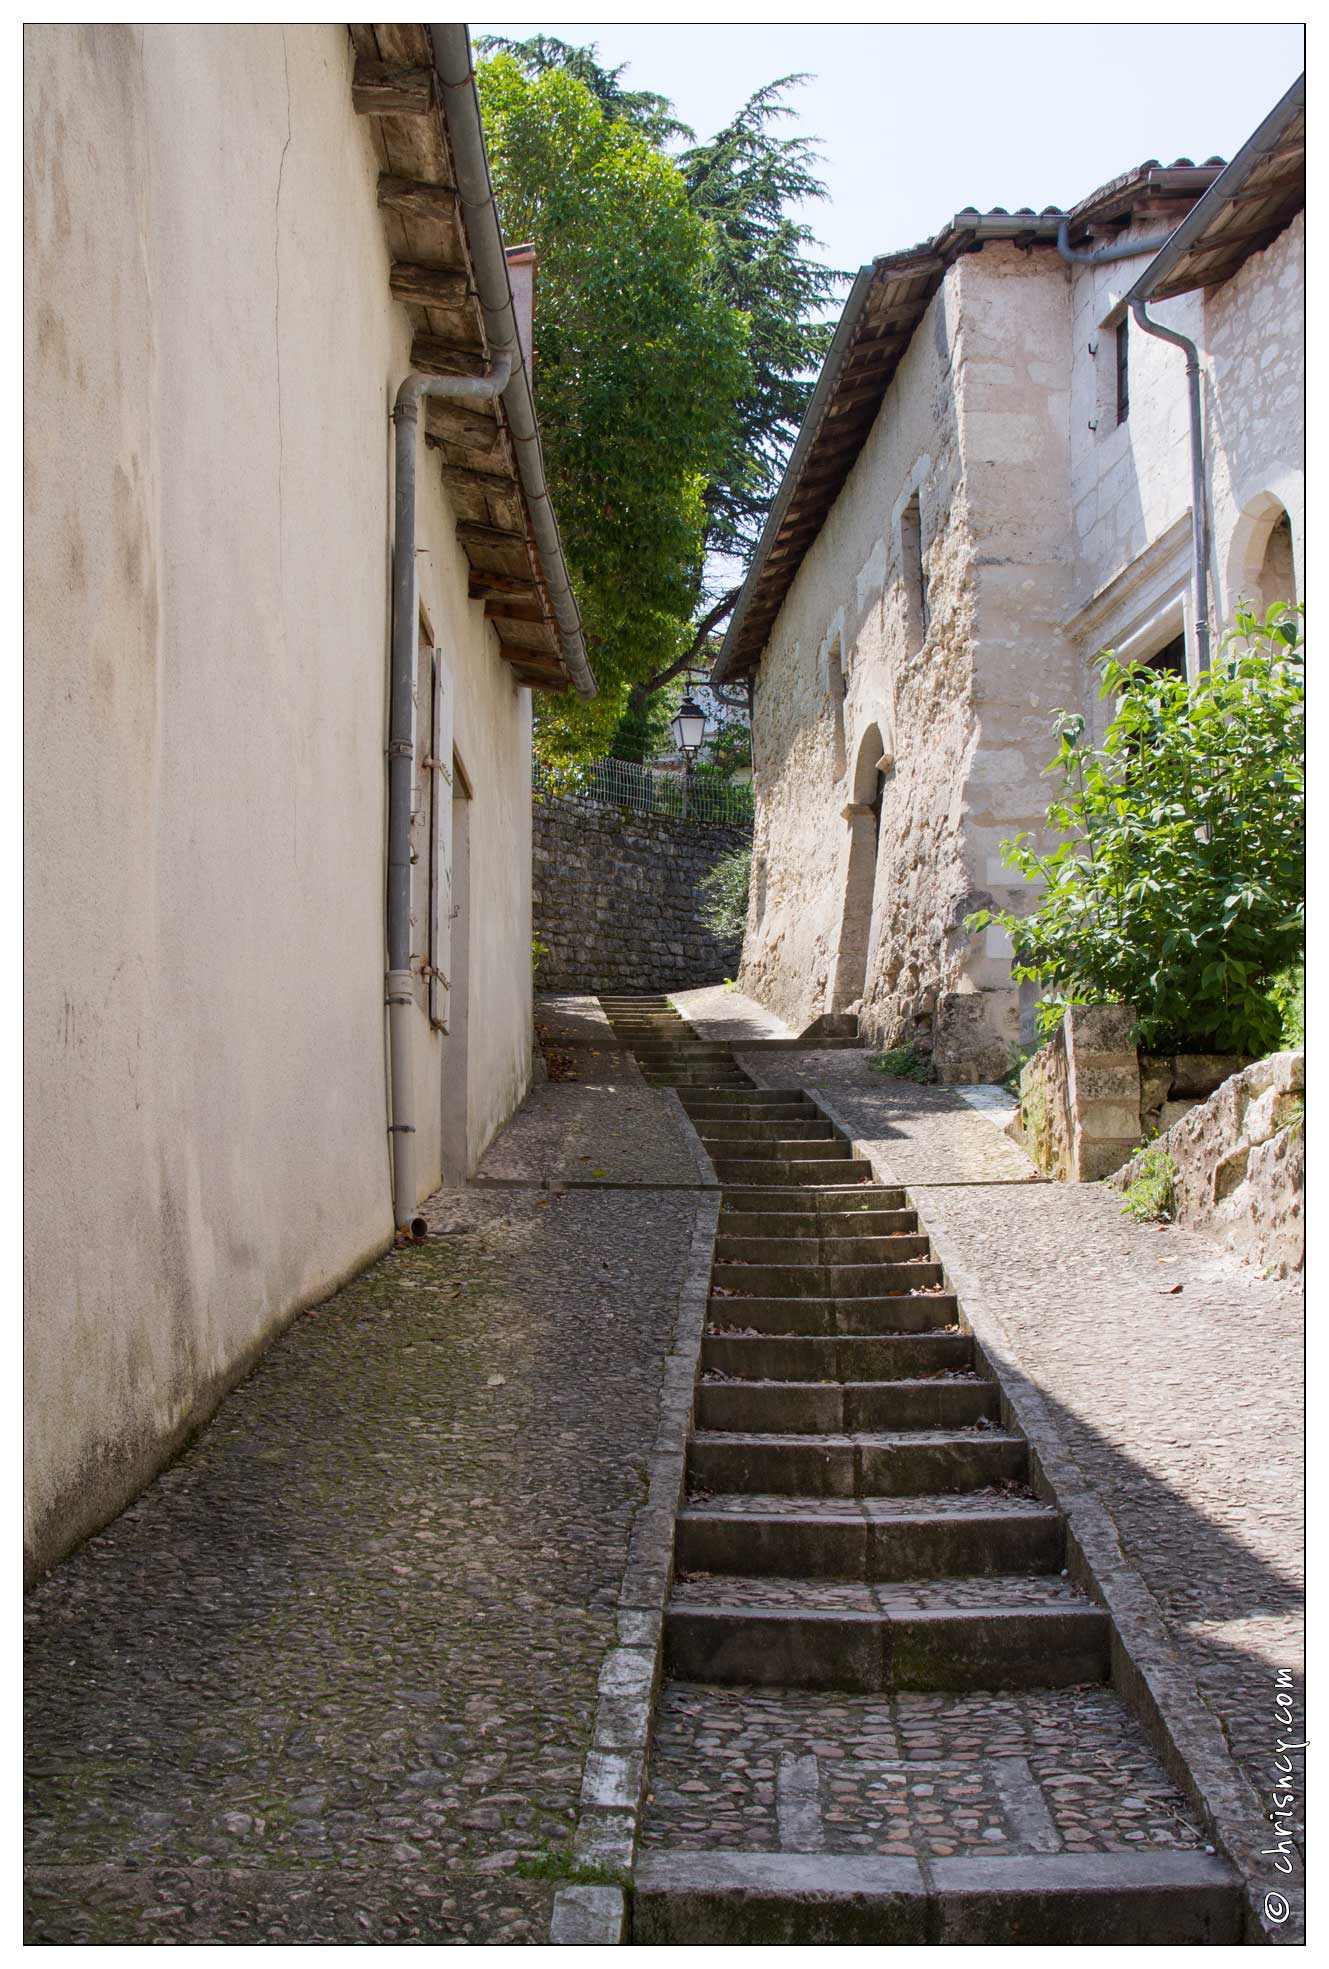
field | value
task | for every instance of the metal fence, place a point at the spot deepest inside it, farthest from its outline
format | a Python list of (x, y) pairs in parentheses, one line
[(624, 783)]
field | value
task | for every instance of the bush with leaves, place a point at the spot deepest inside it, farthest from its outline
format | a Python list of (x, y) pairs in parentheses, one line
[(1178, 887), (724, 889)]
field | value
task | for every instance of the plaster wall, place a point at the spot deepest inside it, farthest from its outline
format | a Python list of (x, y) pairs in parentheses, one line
[(811, 745), (1044, 540), (211, 353), (1131, 481), (975, 423)]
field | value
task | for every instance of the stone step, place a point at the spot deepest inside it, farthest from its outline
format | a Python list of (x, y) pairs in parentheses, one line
[(833, 1200), (691, 1050), (868, 1464), (684, 1078), (821, 1147), (755, 1172), (751, 1097), (743, 1114), (828, 1357), (779, 1129), (828, 1281), (966, 1533), (843, 1408), (979, 1633), (890, 1247), (1116, 1899), (828, 1225), (885, 1315)]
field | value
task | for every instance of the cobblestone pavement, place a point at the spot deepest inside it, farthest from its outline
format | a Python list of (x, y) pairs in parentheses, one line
[(926, 1134), (1173, 1370), (605, 1125), (333, 1677), (1048, 1770), (1175, 1376), (715, 1012)]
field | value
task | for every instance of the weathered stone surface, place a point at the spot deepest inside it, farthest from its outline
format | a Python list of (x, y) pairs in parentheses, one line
[(335, 1675), (1240, 1159), (1080, 1096), (615, 898)]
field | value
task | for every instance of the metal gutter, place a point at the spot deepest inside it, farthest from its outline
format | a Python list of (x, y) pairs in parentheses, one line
[(455, 70), (1263, 143), (807, 433)]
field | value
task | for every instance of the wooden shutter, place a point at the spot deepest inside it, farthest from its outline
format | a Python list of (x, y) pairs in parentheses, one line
[(440, 886)]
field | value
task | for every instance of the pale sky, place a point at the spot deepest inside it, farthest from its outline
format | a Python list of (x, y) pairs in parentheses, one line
[(916, 122)]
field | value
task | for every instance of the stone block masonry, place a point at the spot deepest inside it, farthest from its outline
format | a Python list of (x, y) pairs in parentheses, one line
[(616, 899)]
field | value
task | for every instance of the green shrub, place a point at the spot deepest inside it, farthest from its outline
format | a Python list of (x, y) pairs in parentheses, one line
[(1288, 992), (904, 1062), (724, 890), (1178, 885), (1149, 1194)]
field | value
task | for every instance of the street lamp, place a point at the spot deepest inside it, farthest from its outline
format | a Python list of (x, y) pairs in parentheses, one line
[(688, 725)]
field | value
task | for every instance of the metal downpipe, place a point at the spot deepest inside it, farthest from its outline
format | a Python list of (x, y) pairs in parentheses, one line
[(456, 75), (1199, 507), (401, 762)]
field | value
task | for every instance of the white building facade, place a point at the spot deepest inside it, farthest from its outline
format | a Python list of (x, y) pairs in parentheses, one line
[(218, 325), (992, 485)]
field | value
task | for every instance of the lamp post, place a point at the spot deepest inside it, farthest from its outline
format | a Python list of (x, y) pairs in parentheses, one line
[(688, 725)]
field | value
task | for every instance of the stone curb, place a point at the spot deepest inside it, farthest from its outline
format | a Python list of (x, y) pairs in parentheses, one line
[(614, 1775), (1147, 1668), (701, 1161)]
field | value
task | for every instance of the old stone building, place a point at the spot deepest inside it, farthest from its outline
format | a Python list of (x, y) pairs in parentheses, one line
[(992, 484), (278, 700)]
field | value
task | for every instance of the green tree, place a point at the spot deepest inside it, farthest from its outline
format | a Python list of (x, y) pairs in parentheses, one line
[(1178, 886), (745, 183), (641, 362)]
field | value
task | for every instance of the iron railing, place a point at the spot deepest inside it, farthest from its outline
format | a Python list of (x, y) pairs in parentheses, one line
[(640, 790)]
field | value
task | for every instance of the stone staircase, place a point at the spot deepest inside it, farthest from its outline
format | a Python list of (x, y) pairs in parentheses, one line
[(886, 1714)]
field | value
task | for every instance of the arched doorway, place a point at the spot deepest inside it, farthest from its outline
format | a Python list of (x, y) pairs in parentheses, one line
[(864, 817), (1262, 567)]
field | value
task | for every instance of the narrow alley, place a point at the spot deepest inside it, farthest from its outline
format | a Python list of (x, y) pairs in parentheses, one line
[(334, 1677)]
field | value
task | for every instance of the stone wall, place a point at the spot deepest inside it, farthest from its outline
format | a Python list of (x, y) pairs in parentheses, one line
[(1240, 1160), (896, 748), (617, 903)]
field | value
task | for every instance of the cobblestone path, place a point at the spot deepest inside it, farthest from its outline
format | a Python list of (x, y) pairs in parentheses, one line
[(886, 1712), (332, 1678)]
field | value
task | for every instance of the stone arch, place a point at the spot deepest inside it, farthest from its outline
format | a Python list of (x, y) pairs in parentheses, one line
[(1261, 559), (864, 817)]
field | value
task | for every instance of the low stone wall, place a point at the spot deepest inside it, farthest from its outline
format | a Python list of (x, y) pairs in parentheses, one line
[(1240, 1160), (616, 899), (1080, 1096), (1088, 1099)]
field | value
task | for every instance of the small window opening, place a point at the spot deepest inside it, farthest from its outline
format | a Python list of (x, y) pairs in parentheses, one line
[(1171, 658), (915, 578), (1277, 582), (422, 808), (835, 680), (1123, 372)]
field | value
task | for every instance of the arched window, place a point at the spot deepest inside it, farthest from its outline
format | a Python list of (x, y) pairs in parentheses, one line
[(1260, 563), (864, 817)]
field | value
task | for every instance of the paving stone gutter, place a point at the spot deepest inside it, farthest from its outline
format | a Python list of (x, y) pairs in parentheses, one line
[(615, 1775), (1146, 1666)]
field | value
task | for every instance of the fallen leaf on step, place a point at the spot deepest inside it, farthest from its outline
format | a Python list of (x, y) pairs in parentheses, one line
[(1165, 1290)]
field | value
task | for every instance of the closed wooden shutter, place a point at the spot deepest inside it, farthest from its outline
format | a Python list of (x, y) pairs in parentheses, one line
[(440, 887)]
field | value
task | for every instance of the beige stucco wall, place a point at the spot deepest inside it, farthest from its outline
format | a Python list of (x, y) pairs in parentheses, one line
[(1044, 541), (1131, 481), (975, 422), (211, 353)]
